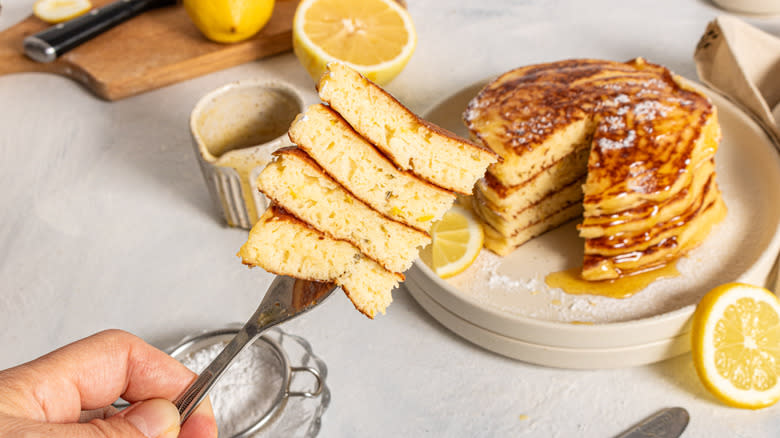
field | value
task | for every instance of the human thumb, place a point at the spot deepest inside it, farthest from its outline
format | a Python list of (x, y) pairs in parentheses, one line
[(155, 418)]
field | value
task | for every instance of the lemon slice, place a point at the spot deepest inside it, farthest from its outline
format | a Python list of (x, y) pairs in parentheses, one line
[(56, 11), (374, 37), (456, 241), (736, 345)]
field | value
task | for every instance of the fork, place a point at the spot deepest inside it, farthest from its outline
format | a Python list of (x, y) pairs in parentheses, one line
[(285, 299)]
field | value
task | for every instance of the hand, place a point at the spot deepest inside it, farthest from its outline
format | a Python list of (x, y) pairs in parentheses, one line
[(68, 393)]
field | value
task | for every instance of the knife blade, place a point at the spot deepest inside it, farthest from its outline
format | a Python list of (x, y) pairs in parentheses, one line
[(668, 423), (47, 45)]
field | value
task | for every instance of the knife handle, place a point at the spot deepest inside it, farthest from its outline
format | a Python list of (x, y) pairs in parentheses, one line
[(47, 45)]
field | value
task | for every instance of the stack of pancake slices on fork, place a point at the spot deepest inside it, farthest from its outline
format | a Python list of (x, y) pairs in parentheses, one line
[(354, 201)]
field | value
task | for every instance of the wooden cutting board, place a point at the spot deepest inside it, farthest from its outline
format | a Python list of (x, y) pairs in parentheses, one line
[(151, 50)]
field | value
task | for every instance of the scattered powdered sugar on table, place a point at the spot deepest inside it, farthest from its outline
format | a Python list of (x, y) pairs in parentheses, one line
[(247, 389)]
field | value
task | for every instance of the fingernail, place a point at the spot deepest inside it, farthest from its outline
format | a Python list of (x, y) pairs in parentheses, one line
[(156, 418)]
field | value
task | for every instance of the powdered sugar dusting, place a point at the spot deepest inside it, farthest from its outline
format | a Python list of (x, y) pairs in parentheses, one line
[(515, 284), (621, 98), (650, 109), (526, 130), (613, 123), (625, 142)]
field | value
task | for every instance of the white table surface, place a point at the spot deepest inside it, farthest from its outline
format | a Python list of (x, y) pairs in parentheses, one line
[(106, 223)]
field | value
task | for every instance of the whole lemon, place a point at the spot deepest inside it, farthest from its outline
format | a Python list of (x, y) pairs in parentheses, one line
[(229, 21)]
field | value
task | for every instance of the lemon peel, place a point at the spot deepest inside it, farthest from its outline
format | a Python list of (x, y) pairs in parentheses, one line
[(57, 11), (735, 343), (375, 37), (226, 21), (456, 241)]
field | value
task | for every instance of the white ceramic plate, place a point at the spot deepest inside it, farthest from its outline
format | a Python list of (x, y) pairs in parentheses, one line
[(558, 357), (508, 297)]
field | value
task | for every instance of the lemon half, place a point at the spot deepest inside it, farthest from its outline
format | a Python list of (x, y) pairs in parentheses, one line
[(57, 11), (736, 345), (374, 37), (455, 242)]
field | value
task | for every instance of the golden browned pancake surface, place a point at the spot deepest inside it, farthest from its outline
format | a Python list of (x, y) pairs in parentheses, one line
[(647, 122), (652, 138)]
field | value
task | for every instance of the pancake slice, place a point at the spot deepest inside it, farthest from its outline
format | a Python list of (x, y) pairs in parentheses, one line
[(297, 182), (436, 155), (352, 161), (284, 245)]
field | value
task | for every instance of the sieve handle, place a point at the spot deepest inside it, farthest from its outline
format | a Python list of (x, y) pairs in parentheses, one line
[(307, 394)]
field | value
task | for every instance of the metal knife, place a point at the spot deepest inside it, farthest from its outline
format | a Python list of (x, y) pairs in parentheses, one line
[(47, 45), (669, 423)]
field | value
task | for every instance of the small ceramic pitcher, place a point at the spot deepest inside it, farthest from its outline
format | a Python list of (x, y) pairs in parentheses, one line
[(235, 129)]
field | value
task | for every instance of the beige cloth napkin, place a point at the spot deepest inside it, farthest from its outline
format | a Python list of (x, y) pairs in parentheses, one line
[(743, 63)]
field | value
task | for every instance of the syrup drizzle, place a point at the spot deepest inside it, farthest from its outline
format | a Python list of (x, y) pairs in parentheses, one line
[(571, 281)]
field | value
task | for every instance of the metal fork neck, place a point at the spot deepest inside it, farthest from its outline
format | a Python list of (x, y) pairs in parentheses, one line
[(286, 298)]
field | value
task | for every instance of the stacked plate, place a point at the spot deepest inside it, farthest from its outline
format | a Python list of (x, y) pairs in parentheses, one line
[(504, 305)]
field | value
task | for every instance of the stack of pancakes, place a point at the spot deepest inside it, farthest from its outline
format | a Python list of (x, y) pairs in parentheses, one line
[(354, 201), (629, 144)]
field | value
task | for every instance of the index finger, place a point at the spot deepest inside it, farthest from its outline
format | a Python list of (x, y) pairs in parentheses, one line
[(92, 373)]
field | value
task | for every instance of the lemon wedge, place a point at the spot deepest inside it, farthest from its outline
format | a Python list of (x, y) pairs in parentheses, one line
[(736, 345), (455, 242), (374, 37), (229, 21), (57, 11)]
